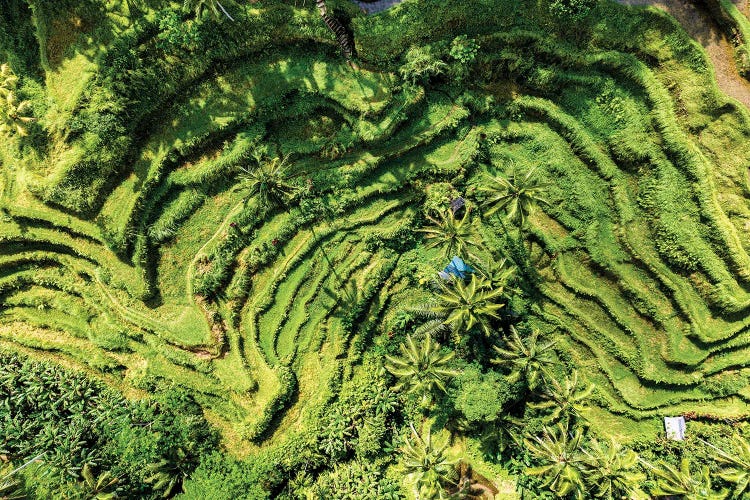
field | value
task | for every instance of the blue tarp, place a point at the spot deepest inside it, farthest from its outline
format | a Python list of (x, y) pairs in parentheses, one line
[(457, 268)]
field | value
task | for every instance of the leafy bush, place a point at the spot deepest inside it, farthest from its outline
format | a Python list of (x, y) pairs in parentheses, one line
[(482, 397)]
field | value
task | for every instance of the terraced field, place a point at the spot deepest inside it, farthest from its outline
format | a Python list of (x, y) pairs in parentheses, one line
[(127, 250)]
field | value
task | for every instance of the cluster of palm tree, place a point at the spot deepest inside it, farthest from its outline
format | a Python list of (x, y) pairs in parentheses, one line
[(15, 114), (461, 306), (573, 466)]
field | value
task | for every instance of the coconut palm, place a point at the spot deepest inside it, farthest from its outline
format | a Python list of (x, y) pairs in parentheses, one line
[(680, 481), (610, 471), (460, 306), (268, 182), (97, 487), (201, 6), (16, 115), (736, 468), (516, 194), (421, 368), (563, 462), (527, 360), (497, 273), (564, 398), (427, 466), (453, 236), (8, 79)]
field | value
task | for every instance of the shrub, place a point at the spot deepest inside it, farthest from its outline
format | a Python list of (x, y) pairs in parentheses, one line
[(571, 10), (482, 397)]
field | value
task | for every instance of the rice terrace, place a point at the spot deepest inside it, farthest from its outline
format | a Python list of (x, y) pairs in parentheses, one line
[(338, 249)]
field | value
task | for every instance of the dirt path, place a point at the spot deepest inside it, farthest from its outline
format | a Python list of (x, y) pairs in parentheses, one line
[(699, 24)]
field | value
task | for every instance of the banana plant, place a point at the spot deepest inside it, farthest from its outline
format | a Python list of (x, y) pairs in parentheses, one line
[(736, 464), (97, 487)]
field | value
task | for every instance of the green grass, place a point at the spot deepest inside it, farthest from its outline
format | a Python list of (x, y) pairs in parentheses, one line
[(643, 251)]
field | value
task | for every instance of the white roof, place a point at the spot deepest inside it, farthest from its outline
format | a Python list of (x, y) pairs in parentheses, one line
[(675, 427)]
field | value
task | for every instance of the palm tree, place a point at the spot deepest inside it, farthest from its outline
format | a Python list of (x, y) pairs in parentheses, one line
[(427, 466), (517, 194), (564, 398), (673, 481), (421, 368), (450, 234), (8, 79), (609, 471), (96, 486), (201, 6), (527, 360), (15, 115), (737, 470), (268, 183), (497, 273), (563, 460), (461, 306)]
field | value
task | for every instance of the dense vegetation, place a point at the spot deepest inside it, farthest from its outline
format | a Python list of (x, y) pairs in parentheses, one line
[(220, 239)]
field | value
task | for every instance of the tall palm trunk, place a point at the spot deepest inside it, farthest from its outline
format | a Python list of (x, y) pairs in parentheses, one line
[(342, 36)]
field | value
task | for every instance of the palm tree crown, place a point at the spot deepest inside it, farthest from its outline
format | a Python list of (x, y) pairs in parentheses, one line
[(563, 461), (15, 115), (527, 359), (516, 194), (465, 305), (680, 481), (268, 183), (427, 466), (421, 368), (610, 471), (450, 234), (565, 398)]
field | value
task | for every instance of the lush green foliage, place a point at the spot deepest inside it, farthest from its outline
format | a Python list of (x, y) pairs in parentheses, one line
[(214, 213)]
